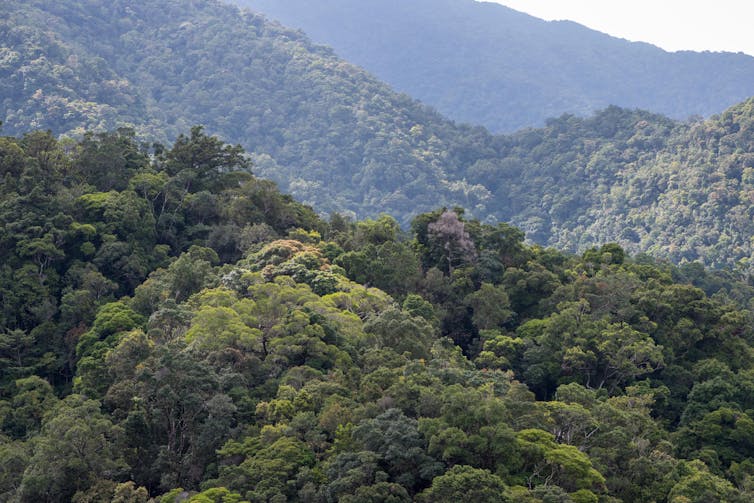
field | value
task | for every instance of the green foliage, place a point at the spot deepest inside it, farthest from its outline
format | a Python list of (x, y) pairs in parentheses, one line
[(697, 484), (399, 446), (33, 398), (490, 305), (216, 495), (497, 371), (14, 458), (546, 461), (80, 231), (77, 446), (597, 353), (267, 474), (107, 490), (401, 332), (335, 138), (465, 482), (175, 415), (382, 492)]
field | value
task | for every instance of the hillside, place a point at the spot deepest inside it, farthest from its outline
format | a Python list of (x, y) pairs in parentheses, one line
[(339, 140), (484, 63), (676, 190), (172, 328), (325, 130)]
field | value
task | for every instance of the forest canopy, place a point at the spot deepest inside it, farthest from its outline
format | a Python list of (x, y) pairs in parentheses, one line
[(174, 327)]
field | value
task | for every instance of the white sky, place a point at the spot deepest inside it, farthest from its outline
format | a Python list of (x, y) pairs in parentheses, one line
[(712, 25)]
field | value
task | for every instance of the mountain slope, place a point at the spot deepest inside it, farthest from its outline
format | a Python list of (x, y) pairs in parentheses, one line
[(343, 139), (487, 64), (678, 190), (338, 139)]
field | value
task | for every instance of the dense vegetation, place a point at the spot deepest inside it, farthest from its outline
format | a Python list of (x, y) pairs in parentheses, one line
[(339, 140), (486, 64), (679, 191), (173, 327), (332, 135)]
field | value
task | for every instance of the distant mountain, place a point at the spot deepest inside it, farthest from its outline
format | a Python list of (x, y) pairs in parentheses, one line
[(486, 64), (340, 140)]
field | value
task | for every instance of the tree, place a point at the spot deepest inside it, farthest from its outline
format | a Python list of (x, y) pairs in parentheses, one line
[(465, 483), (698, 485), (201, 161), (107, 160), (400, 446), (546, 462), (266, 471), (107, 490), (450, 242), (491, 306), (349, 471), (33, 399), (401, 332), (16, 349), (618, 355), (176, 419), (376, 232), (597, 353), (14, 458), (381, 492), (77, 446), (216, 495), (727, 433)]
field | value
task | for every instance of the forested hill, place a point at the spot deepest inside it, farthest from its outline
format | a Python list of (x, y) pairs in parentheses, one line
[(340, 140), (677, 190), (487, 64), (173, 329)]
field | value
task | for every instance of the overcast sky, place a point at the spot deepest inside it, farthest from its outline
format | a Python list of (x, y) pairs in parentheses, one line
[(713, 25)]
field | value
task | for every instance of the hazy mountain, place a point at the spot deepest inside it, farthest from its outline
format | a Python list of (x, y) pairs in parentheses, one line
[(487, 64)]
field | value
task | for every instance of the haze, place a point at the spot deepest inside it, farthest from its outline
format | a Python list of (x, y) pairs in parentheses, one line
[(723, 25)]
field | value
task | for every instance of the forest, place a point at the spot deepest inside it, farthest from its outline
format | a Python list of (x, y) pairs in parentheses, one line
[(328, 292), (174, 328), (339, 140)]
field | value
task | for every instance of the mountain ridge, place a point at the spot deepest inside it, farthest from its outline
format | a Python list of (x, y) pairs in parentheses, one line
[(485, 63)]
